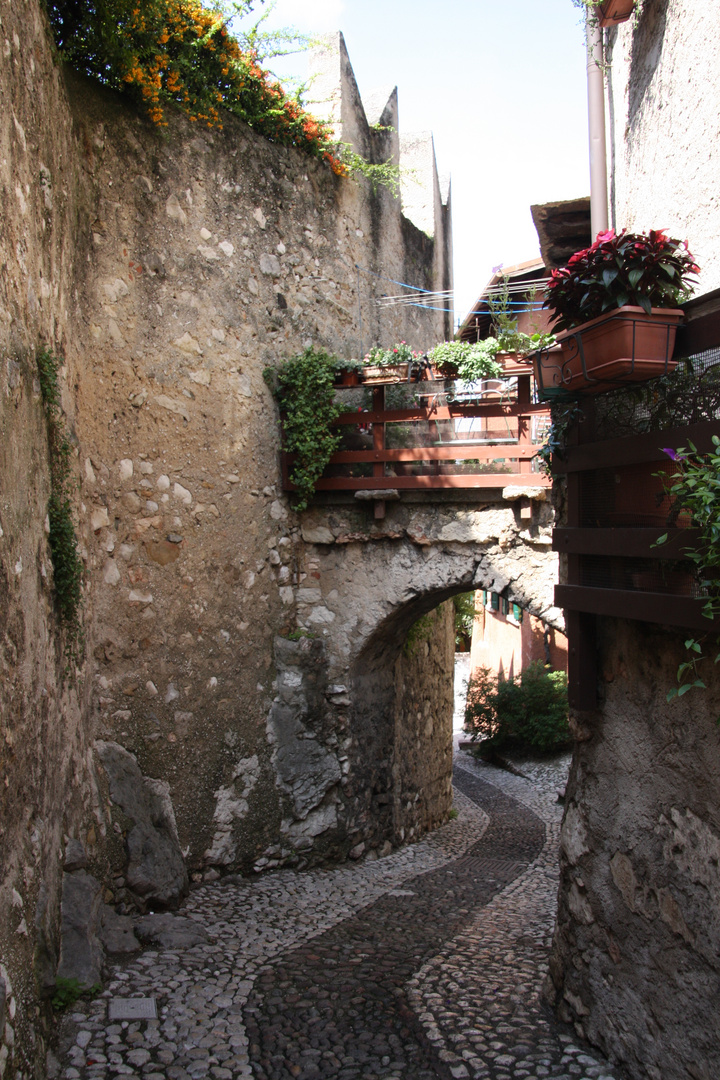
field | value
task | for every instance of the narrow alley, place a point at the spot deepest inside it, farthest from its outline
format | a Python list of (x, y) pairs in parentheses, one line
[(426, 963)]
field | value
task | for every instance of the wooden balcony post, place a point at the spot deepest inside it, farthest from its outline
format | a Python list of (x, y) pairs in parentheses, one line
[(379, 446), (524, 421), (580, 626)]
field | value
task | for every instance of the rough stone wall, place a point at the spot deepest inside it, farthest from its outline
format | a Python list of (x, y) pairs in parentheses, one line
[(635, 961), (167, 269), (664, 126), (424, 701), (45, 788)]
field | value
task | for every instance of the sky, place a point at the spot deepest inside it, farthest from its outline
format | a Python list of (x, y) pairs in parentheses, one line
[(500, 83)]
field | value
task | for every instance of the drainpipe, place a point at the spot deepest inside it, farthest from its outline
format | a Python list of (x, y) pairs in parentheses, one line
[(596, 126)]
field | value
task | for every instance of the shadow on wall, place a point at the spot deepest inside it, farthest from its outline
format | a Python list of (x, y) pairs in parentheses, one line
[(647, 44)]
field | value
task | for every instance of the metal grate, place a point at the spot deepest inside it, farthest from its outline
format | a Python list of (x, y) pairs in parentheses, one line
[(639, 575), (689, 395), (630, 496)]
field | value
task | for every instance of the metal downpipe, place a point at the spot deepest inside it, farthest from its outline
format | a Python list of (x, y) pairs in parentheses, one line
[(596, 127)]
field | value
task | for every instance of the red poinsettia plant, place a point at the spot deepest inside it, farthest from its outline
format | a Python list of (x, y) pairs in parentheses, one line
[(646, 270)]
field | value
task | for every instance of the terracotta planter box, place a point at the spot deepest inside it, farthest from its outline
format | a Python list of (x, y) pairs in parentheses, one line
[(376, 375), (613, 12), (625, 345)]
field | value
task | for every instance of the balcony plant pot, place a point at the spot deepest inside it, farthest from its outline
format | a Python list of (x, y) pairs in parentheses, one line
[(379, 375), (348, 377), (612, 12), (623, 345)]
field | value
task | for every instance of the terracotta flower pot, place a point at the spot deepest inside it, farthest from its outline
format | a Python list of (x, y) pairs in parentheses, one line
[(347, 378), (625, 345), (612, 12)]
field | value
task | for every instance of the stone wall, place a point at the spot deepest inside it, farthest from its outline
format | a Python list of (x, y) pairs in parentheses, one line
[(424, 702), (635, 960), (635, 963), (664, 126), (167, 269), (44, 738)]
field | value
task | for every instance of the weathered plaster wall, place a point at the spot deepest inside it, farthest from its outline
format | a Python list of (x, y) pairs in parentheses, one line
[(635, 961), (664, 126)]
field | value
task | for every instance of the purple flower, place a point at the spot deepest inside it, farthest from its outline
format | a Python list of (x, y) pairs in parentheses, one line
[(673, 453)]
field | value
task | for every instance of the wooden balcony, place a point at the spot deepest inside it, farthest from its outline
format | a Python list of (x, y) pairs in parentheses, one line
[(447, 436)]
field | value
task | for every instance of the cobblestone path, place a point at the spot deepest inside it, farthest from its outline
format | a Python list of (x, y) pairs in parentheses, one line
[(425, 964)]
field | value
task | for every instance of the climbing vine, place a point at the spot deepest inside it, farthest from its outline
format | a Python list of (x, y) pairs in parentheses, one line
[(304, 390), (67, 565), (178, 53)]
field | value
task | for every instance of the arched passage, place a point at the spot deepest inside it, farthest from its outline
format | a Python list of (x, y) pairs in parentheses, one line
[(376, 724)]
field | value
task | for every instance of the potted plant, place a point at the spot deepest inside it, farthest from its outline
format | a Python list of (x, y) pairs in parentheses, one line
[(348, 372), (612, 12), (397, 364), (466, 360), (607, 12), (616, 307)]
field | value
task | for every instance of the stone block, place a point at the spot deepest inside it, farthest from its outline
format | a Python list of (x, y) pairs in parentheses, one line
[(171, 931), (81, 954), (156, 870), (116, 933)]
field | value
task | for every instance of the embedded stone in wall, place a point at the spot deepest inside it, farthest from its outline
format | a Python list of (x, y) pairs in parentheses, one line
[(232, 806), (156, 870), (81, 954), (305, 768)]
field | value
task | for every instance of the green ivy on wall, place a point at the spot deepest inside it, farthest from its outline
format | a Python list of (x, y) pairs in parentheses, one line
[(68, 569)]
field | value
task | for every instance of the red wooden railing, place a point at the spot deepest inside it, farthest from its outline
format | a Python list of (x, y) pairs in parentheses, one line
[(440, 454)]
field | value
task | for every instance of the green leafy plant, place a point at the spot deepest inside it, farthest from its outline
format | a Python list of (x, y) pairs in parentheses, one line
[(469, 360), (385, 174), (167, 53), (643, 269), (68, 571), (464, 605), (421, 630), (453, 813), (303, 388), (299, 634), (518, 713), (555, 444), (505, 322), (401, 353), (696, 487), (68, 991)]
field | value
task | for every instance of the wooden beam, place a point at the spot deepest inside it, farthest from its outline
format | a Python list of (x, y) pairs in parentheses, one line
[(660, 608), (442, 412), (627, 543), (447, 452), (427, 482), (636, 448)]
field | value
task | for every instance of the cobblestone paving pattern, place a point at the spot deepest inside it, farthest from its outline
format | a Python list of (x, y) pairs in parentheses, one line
[(201, 990), (385, 969)]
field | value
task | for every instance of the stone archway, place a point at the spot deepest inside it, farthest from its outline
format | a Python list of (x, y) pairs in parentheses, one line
[(358, 750)]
